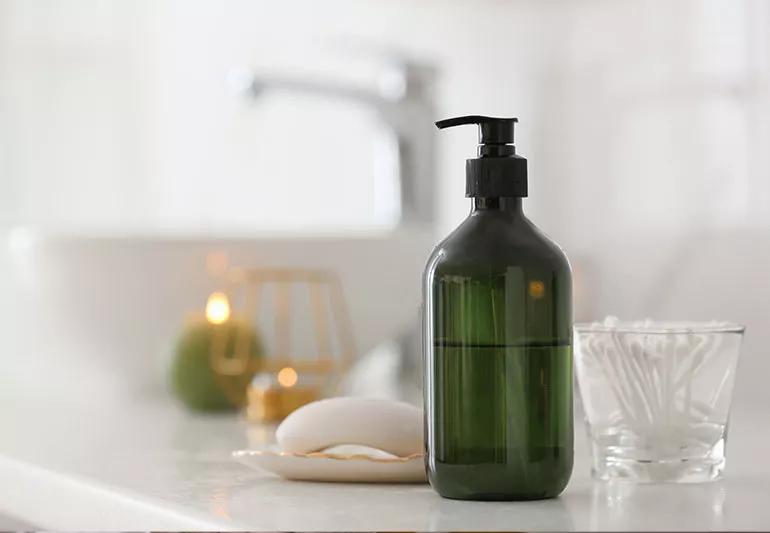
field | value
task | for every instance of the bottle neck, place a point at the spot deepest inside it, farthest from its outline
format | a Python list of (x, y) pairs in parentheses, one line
[(506, 204)]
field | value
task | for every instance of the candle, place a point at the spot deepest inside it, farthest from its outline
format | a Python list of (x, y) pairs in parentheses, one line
[(193, 378), (272, 396)]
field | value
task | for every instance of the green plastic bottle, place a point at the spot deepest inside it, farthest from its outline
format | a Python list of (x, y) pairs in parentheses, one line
[(497, 340)]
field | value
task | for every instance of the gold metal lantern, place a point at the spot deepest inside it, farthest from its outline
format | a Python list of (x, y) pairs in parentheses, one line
[(285, 377)]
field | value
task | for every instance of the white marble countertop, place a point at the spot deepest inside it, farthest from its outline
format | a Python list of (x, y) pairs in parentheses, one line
[(101, 465)]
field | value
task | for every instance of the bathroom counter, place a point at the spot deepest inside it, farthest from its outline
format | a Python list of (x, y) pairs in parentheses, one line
[(149, 465)]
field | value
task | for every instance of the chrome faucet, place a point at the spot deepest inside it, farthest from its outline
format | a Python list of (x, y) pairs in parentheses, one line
[(404, 102)]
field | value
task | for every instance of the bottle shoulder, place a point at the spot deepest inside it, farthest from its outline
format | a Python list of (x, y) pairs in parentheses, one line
[(498, 240)]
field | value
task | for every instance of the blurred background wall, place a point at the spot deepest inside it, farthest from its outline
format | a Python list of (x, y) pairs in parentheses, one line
[(126, 157)]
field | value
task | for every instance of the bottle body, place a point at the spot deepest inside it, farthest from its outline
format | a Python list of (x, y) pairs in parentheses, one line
[(498, 359)]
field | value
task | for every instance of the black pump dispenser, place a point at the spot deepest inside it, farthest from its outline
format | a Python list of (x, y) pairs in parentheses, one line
[(497, 171)]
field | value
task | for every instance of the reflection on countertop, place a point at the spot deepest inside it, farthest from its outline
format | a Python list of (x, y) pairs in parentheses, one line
[(149, 464)]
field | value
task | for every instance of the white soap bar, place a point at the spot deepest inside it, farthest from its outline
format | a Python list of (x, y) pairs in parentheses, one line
[(394, 427)]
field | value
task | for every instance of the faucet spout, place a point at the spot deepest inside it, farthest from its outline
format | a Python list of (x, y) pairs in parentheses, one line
[(405, 106)]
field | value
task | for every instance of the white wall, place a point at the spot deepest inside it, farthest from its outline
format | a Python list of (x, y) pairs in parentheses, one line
[(115, 112)]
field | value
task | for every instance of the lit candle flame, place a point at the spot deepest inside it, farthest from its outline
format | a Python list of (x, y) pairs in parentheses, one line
[(287, 377), (217, 308)]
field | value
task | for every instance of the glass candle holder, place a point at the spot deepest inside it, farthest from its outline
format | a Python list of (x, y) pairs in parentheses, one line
[(273, 396), (657, 397)]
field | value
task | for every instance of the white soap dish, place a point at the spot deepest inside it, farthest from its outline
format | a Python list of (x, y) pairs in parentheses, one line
[(344, 463)]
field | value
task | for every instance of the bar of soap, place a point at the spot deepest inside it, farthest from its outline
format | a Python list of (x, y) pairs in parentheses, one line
[(394, 427)]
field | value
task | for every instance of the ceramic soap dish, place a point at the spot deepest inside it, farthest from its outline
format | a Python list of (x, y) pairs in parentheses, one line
[(383, 443), (346, 463)]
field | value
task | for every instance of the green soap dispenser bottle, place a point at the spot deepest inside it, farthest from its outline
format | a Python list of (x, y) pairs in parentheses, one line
[(497, 314)]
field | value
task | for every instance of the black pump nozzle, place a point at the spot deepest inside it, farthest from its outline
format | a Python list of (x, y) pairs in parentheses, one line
[(498, 171), (491, 130)]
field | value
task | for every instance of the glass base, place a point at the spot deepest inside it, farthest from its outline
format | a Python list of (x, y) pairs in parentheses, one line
[(611, 466)]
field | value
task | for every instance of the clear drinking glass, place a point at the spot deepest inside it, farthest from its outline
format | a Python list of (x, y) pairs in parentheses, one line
[(657, 397)]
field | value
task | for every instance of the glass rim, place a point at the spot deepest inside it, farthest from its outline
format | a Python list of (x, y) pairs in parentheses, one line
[(660, 328)]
